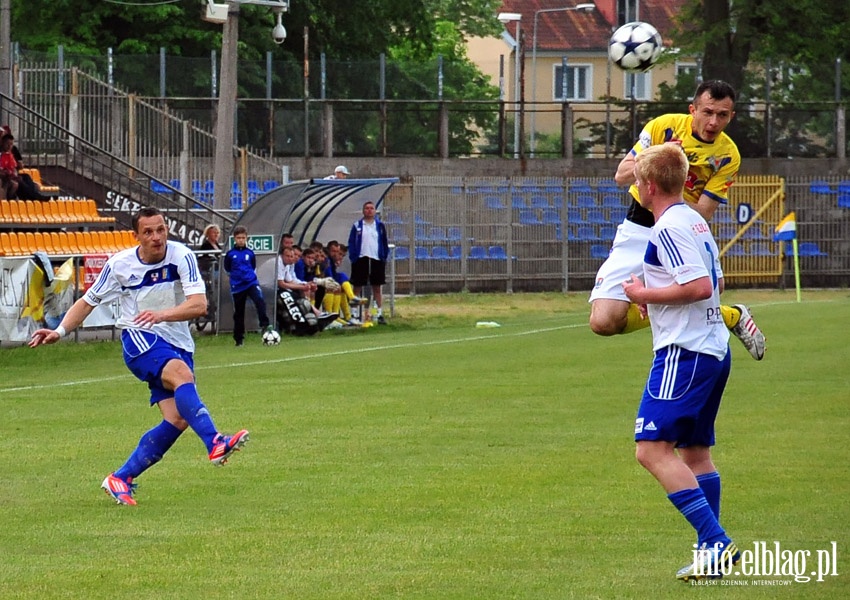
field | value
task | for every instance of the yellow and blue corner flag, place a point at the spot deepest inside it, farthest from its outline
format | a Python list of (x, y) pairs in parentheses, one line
[(786, 229)]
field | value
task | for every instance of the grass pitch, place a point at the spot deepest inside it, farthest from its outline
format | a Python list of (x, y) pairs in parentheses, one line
[(425, 459)]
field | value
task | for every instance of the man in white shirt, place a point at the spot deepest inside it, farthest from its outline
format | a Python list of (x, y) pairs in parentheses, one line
[(674, 428), (368, 250), (160, 289)]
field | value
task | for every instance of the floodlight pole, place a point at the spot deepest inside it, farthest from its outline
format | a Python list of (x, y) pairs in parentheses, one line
[(6, 47), (226, 112), (586, 7)]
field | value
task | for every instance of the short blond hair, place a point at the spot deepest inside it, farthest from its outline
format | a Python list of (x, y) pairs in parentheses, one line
[(665, 165)]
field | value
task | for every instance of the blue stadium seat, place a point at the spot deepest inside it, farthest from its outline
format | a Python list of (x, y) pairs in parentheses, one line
[(844, 200), (587, 233), (393, 217), (618, 215), (497, 253), (421, 253), (736, 250), (607, 232), (528, 216), (477, 252), (440, 253), (580, 186), (612, 201), (539, 202), (821, 187), (517, 201), (454, 233), (596, 216), (810, 249), (402, 253), (551, 216), (455, 252), (599, 251), (269, 185), (160, 188), (844, 187), (575, 216), (586, 201), (493, 203), (420, 233)]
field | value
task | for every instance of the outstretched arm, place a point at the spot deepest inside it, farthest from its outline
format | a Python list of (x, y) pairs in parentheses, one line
[(72, 319)]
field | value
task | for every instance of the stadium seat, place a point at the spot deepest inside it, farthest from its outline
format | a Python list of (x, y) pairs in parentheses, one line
[(821, 187), (607, 232), (455, 252), (575, 216), (596, 216), (528, 216), (551, 216), (518, 202), (402, 253), (440, 253), (587, 233), (497, 253), (599, 251), (454, 234), (421, 253), (477, 252), (493, 203), (585, 201), (844, 200), (580, 186), (538, 201), (612, 201), (810, 249), (159, 187)]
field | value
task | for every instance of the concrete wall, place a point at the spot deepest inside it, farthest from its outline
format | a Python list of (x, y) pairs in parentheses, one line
[(407, 167)]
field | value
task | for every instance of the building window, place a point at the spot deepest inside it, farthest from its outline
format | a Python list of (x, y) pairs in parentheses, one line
[(642, 86), (578, 83)]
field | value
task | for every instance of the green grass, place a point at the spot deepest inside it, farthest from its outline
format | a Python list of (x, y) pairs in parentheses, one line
[(425, 459)]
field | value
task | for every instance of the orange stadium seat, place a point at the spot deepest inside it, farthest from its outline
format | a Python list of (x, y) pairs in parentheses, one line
[(44, 242), (15, 209), (129, 238), (5, 244), (5, 211)]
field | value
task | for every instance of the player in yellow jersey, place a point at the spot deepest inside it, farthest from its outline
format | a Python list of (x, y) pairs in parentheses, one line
[(714, 161)]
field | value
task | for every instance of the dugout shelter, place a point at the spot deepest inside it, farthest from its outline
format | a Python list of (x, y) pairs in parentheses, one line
[(314, 209)]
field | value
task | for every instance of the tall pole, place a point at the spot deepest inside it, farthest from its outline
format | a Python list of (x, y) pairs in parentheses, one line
[(223, 174), (517, 115), (6, 47), (579, 7)]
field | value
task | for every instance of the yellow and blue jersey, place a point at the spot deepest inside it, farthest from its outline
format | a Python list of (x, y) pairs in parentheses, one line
[(713, 165)]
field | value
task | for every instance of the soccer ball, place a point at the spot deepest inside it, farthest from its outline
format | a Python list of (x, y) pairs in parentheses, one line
[(635, 47), (271, 338)]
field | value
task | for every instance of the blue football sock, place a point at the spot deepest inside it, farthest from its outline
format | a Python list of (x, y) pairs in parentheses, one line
[(694, 507), (152, 446), (191, 408), (709, 483)]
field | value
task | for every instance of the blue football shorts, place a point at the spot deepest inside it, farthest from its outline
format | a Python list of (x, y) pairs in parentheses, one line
[(146, 355), (682, 397)]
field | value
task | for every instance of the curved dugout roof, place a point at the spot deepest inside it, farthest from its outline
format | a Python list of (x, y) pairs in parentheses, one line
[(315, 209)]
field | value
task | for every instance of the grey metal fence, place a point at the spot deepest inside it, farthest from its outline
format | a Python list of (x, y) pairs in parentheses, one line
[(535, 234)]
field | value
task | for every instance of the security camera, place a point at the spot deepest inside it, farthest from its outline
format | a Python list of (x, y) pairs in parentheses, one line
[(279, 31)]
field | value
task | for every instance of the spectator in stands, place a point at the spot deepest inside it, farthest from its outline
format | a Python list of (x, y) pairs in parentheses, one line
[(241, 264), (9, 178), (26, 188), (368, 250), (211, 246), (341, 172)]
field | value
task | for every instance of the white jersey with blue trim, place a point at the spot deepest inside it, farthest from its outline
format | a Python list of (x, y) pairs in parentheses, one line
[(140, 286), (681, 249)]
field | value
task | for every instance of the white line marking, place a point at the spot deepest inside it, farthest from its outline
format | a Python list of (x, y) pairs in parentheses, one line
[(310, 356)]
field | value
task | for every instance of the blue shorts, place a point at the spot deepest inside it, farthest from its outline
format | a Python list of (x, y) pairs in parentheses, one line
[(146, 355), (682, 397)]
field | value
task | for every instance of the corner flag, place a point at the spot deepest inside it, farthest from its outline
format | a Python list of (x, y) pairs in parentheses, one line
[(786, 229)]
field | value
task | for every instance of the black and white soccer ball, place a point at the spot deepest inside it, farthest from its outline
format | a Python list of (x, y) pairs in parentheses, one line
[(635, 47), (271, 338)]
